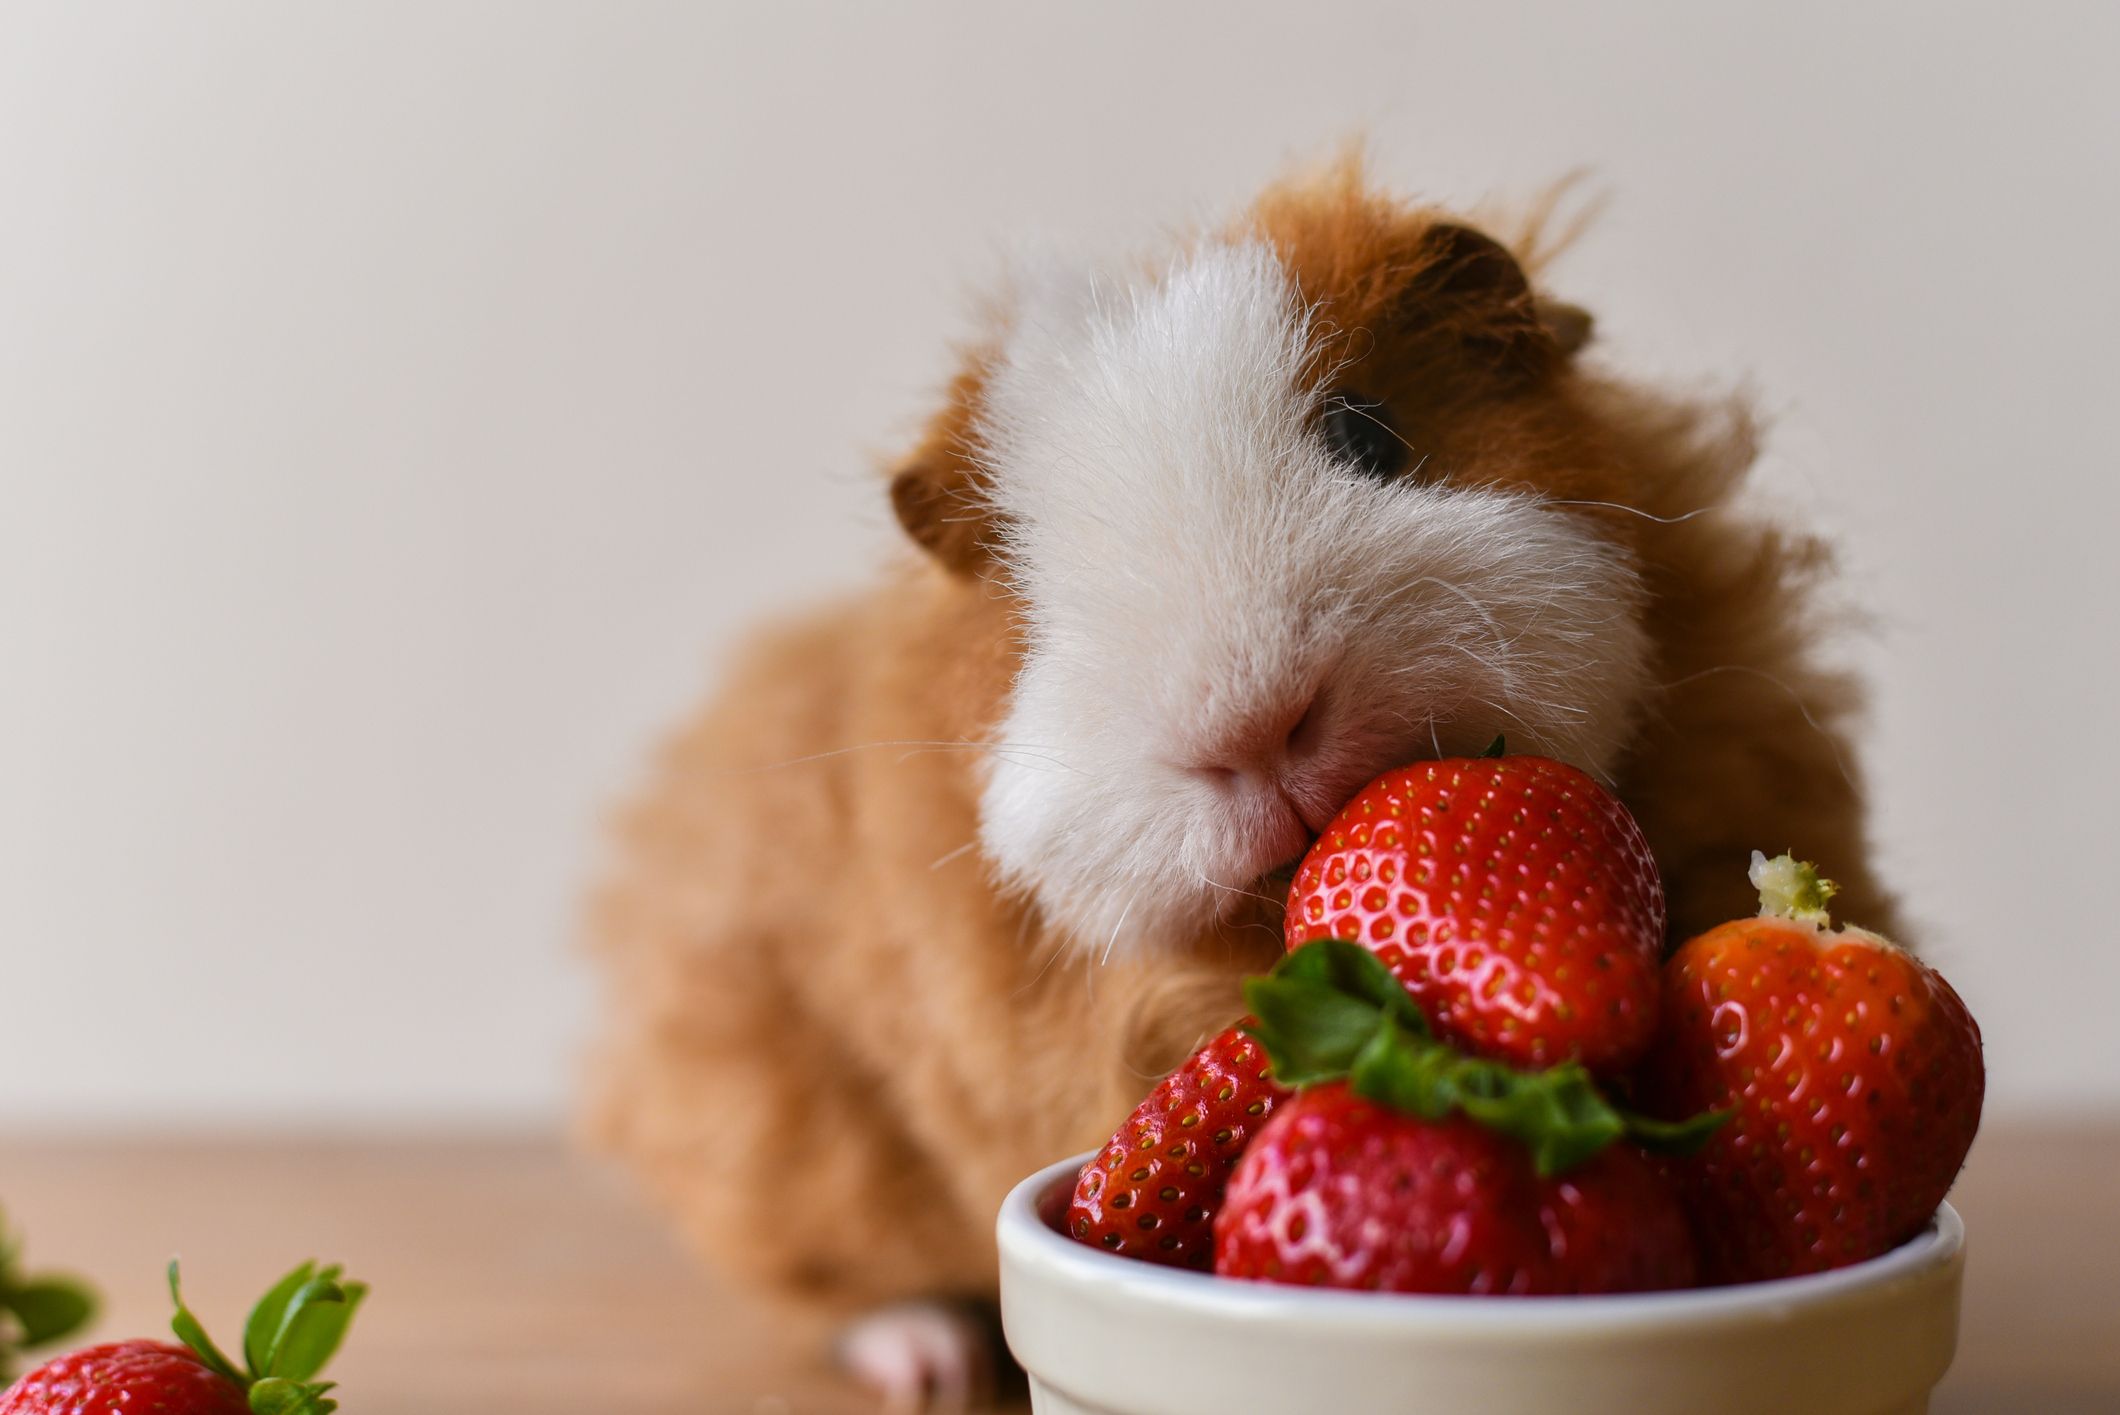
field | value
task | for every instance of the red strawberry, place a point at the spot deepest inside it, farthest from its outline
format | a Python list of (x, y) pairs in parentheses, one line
[(1432, 1171), (291, 1333), (1513, 896), (1852, 1070), (1151, 1192), (126, 1378), (1339, 1191)]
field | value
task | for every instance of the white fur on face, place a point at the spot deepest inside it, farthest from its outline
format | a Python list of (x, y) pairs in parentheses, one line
[(1197, 566)]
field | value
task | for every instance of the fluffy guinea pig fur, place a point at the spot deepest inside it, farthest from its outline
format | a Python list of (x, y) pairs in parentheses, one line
[(950, 869)]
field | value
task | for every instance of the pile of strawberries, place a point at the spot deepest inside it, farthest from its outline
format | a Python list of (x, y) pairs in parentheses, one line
[(1476, 1072)]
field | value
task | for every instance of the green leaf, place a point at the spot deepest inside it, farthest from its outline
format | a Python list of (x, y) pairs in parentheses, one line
[(1321, 1006), (1311, 1032), (1401, 1072), (47, 1308), (193, 1335), (1499, 747), (276, 1395), (316, 1323), (1351, 969), (263, 1328), (1558, 1112), (1331, 1011)]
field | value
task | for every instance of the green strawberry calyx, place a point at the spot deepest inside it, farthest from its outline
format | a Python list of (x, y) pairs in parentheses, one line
[(35, 1308), (292, 1332), (1790, 888), (1330, 1011)]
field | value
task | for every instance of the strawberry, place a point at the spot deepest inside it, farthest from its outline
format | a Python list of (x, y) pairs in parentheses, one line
[(1513, 896), (1852, 1070), (1405, 1165), (1152, 1191), (1339, 1191), (291, 1333), (124, 1377)]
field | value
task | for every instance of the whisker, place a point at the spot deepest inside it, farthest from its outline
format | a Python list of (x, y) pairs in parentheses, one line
[(1226, 929), (1017, 755), (1495, 665), (1485, 615), (1559, 709), (1431, 722), (1006, 749), (955, 854), (1361, 412), (1232, 889), (1060, 944), (1637, 511), (1112, 942)]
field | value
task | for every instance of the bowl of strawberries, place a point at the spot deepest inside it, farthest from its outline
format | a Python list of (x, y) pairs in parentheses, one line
[(1483, 1143)]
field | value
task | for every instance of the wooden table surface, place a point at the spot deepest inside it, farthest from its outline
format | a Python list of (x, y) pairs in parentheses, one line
[(512, 1277)]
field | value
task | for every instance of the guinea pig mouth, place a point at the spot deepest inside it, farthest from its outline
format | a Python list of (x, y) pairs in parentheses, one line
[(1275, 881)]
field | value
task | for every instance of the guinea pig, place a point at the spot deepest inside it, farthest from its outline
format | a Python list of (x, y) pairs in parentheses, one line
[(952, 868)]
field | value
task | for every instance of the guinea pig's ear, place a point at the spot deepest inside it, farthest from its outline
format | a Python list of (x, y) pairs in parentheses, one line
[(1568, 326), (937, 503), (937, 489), (1469, 285)]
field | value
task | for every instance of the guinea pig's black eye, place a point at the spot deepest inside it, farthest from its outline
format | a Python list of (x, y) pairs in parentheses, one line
[(1361, 432)]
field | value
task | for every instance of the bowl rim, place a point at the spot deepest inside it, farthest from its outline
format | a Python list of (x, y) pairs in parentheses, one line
[(1028, 1239)]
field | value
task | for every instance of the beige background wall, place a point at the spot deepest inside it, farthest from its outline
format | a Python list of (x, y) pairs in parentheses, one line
[(401, 404)]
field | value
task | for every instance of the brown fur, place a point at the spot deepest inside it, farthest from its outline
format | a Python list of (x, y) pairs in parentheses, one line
[(832, 1046)]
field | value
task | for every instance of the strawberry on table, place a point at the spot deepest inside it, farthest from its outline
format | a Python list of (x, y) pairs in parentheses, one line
[(1152, 1191), (126, 1378), (1515, 898), (1852, 1072), (292, 1332), (1404, 1165)]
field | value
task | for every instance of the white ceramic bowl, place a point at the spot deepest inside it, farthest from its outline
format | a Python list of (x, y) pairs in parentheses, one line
[(1101, 1335)]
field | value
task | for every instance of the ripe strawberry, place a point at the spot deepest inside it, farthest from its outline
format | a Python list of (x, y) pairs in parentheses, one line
[(1152, 1191), (1513, 896), (126, 1378), (1408, 1166), (1852, 1070), (291, 1333), (1339, 1191)]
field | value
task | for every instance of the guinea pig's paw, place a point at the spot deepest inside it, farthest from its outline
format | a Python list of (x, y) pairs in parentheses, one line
[(923, 1356)]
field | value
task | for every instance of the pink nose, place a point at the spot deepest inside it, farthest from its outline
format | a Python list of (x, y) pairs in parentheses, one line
[(1270, 751)]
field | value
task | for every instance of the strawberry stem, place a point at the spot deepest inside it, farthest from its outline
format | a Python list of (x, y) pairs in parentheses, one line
[(1790, 888), (294, 1329), (1331, 1011)]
